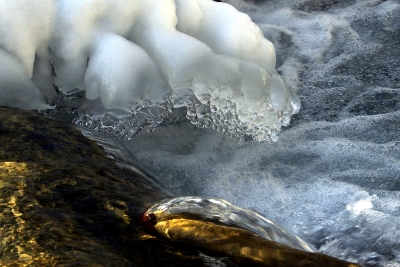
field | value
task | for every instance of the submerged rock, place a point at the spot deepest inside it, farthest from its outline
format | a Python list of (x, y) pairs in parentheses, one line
[(242, 246)]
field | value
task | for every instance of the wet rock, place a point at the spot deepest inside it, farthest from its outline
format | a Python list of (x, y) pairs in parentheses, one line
[(241, 246), (64, 202)]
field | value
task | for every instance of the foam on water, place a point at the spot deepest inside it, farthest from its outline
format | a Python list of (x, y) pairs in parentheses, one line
[(336, 191), (333, 176)]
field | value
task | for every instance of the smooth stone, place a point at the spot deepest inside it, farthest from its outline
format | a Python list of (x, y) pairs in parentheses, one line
[(241, 246)]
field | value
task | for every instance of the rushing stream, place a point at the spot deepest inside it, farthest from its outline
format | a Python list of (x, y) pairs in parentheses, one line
[(332, 178)]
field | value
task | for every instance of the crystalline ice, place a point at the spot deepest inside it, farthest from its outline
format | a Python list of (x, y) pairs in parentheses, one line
[(139, 54)]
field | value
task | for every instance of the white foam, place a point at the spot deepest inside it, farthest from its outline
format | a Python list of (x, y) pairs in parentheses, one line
[(333, 177)]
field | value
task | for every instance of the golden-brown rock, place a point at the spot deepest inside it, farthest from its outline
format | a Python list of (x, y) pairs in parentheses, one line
[(63, 202), (242, 246)]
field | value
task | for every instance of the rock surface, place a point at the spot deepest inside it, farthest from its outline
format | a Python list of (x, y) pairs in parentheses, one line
[(63, 202), (242, 246)]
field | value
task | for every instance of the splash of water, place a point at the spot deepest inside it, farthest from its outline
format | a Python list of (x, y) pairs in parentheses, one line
[(219, 210)]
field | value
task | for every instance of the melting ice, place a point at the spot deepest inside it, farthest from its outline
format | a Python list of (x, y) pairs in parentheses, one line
[(136, 60)]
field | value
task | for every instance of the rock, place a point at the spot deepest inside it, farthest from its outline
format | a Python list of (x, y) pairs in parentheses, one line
[(241, 246), (64, 202)]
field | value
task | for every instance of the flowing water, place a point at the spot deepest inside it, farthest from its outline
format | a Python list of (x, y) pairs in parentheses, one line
[(333, 177)]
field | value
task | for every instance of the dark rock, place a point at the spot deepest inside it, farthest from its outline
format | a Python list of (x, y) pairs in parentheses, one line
[(64, 202)]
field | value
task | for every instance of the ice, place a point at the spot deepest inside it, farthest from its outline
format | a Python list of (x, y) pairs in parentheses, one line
[(238, 38), (111, 74), (26, 29), (17, 90), (132, 56), (24, 36)]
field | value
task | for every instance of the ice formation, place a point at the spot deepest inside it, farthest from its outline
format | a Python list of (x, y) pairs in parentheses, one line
[(137, 59)]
